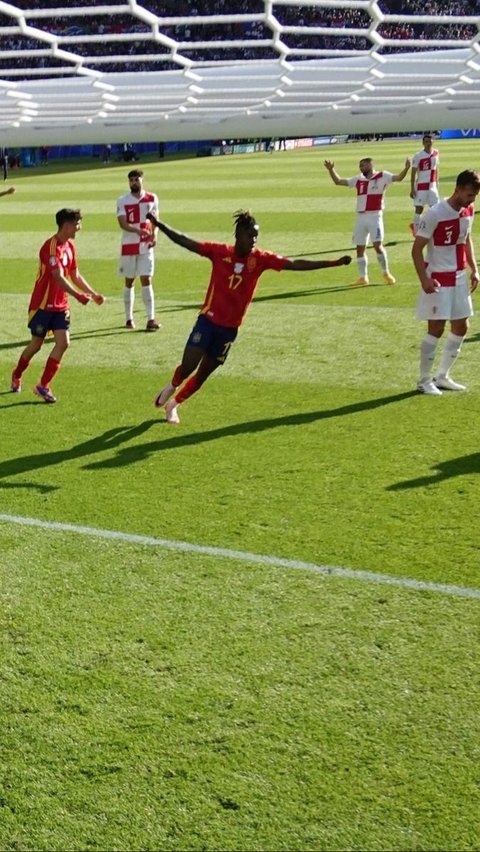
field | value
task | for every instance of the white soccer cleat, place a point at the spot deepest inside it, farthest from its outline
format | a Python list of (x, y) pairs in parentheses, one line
[(163, 396), (428, 387), (389, 278), (171, 412), (446, 383), (361, 282)]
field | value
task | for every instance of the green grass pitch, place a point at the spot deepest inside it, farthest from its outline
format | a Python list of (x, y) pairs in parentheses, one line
[(160, 699)]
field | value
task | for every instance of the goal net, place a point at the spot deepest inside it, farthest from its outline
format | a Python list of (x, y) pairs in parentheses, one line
[(149, 70)]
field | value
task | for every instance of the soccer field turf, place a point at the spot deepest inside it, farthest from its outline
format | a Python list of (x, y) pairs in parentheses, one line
[(188, 682)]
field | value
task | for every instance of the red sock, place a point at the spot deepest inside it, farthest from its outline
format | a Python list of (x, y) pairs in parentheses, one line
[(21, 367), (189, 388), (51, 369)]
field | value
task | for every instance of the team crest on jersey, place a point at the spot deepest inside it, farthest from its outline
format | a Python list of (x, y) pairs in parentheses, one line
[(238, 268), (52, 260)]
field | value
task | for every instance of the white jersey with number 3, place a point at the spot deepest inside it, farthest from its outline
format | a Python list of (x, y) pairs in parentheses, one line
[(447, 231)]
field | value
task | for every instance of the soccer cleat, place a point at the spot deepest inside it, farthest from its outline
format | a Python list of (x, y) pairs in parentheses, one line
[(163, 396), (446, 383), (413, 229), (44, 393), (428, 387), (388, 278), (15, 384), (152, 325), (171, 412), (129, 324), (361, 282)]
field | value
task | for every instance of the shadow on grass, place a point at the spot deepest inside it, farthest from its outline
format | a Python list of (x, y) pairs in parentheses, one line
[(139, 452), (350, 248), (113, 438), (472, 338), (319, 290), (37, 461), (442, 471)]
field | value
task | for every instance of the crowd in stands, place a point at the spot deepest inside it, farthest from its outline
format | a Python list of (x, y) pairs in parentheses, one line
[(255, 36)]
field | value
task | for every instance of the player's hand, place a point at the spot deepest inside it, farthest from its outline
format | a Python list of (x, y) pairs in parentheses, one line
[(329, 165), (10, 190), (82, 298), (98, 298), (412, 194), (144, 233), (151, 218), (344, 260), (429, 285), (408, 162), (474, 280)]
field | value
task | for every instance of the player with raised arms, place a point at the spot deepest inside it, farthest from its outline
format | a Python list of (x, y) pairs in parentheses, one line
[(235, 273), (370, 186)]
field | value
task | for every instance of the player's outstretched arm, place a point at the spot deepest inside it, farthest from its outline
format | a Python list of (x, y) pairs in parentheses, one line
[(9, 191), (330, 167), (404, 171), (303, 264), (175, 236)]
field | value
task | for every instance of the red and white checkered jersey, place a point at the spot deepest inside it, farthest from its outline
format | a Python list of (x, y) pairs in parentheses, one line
[(447, 231), (135, 211), (370, 191), (427, 169)]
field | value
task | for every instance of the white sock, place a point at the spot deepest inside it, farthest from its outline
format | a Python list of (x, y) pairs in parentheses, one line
[(129, 301), (383, 261), (451, 350), (149, 301), (362, 263), (428, 348)]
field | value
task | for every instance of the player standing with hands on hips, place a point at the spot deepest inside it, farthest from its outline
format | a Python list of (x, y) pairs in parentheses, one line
[(445, 229), (370, 186), (235, 273), (138, 241), (48, 308), (424, 179)]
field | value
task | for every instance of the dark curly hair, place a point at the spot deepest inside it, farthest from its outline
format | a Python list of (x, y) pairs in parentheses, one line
[(244, 221)]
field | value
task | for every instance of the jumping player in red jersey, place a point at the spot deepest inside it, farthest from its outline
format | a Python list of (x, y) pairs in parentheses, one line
[(48, 308), (235, 273)]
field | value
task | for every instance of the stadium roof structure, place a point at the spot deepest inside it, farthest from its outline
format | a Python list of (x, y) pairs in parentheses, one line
[(76, 74)]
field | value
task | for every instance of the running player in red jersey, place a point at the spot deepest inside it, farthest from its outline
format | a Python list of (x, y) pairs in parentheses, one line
[(48, 308), (235, 273)]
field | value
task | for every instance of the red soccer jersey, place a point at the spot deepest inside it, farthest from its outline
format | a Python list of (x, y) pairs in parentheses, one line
[(233, 281), (47, 294)]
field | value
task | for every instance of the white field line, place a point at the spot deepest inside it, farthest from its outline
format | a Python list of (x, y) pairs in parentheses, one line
[(245, 556)]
